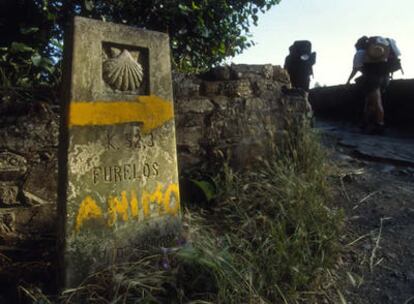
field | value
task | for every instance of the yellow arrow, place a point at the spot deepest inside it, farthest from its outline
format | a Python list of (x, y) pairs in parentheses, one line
[(152, 111)]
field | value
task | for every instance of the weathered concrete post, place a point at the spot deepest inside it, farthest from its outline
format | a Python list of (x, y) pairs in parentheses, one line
[(118, 184)]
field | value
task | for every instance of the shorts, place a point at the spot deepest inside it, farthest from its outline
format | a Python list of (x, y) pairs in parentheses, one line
[(371, 82), (374, 76)]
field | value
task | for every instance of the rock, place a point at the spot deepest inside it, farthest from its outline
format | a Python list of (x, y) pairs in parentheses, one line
[(238, 88), (267, 71), (8, 193), (281, 75), (12, 166), (185, 86), (40, 186), (410, 276), (242, 107), (253, 104), (26, 221), (259, 87), (189, 136), (220, 73), (195, 105), (7, 221), (387, 168), (36, 219), (185, 120), (209, 88), (187, 160), (222, 102)]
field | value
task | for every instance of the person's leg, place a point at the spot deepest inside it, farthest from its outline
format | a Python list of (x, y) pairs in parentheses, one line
[(374, 111), (379, 117), (376, 107)]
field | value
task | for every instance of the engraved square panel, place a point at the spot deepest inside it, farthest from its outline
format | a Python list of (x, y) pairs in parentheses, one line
[(125, 69)]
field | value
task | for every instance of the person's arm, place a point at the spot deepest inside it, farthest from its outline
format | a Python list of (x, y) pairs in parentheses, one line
[(353, 73), (356, 64)]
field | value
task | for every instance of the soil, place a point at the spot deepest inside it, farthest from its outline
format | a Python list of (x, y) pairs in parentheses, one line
[(376, 192)]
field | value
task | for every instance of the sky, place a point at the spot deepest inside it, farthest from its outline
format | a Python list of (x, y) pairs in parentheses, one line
[(333, 26)]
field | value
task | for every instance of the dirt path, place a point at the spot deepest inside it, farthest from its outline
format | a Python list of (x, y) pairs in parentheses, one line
[(377, 195)]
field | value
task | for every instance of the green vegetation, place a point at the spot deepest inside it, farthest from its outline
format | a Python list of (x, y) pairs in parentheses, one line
[(202, 32), (269, 236)]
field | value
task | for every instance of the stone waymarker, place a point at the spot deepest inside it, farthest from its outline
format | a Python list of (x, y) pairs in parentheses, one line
[(118, 183)]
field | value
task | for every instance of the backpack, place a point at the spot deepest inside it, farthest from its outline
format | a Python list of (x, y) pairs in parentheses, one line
[(384, 52), (377, 50), (394, 62), (302, 47), (302, 57)]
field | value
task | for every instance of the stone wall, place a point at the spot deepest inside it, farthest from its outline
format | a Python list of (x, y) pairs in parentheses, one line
[(235, 113), (28, 168), (28, 187), (346, 103)]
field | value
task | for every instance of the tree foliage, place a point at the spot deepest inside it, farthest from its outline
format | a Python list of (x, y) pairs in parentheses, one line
[(202, 32)]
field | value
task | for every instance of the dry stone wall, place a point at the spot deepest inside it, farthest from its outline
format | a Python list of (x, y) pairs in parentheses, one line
[(234, 113), (28, 169)]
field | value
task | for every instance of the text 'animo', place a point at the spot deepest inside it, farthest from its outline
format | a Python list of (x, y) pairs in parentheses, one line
[(120, 209)]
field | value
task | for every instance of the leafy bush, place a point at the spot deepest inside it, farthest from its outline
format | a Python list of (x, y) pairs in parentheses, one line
[(202, 33), (23, 66)]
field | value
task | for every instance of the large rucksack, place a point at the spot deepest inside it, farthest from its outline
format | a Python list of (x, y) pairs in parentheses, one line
[(394, 61), (383, 51), (302, 56), (302, 47), (377, 50)]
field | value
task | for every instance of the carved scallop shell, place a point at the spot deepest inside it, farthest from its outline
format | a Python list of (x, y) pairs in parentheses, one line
[(123, 72)]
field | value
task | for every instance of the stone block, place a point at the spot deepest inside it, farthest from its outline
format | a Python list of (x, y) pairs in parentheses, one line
[(219, 73), (209, 88), (187, 160), (35, 220), (238, 88), (194, 105), (189, 136), (25, 222), (12, 166), (281, 75), (118, 180), (222, 102), (267, 71), (189, 120), (7, 222), (185, 86), (8, 193), (31, 132), (40, 186), (255, 104)]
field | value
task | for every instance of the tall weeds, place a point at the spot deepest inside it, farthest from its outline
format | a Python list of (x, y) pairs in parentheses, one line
[(277, 224)]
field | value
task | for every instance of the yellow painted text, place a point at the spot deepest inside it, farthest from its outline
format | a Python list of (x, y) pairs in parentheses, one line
[(127, 206)]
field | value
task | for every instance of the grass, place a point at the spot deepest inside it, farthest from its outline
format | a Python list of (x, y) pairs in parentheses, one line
[(278, 224), (269, 237)]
